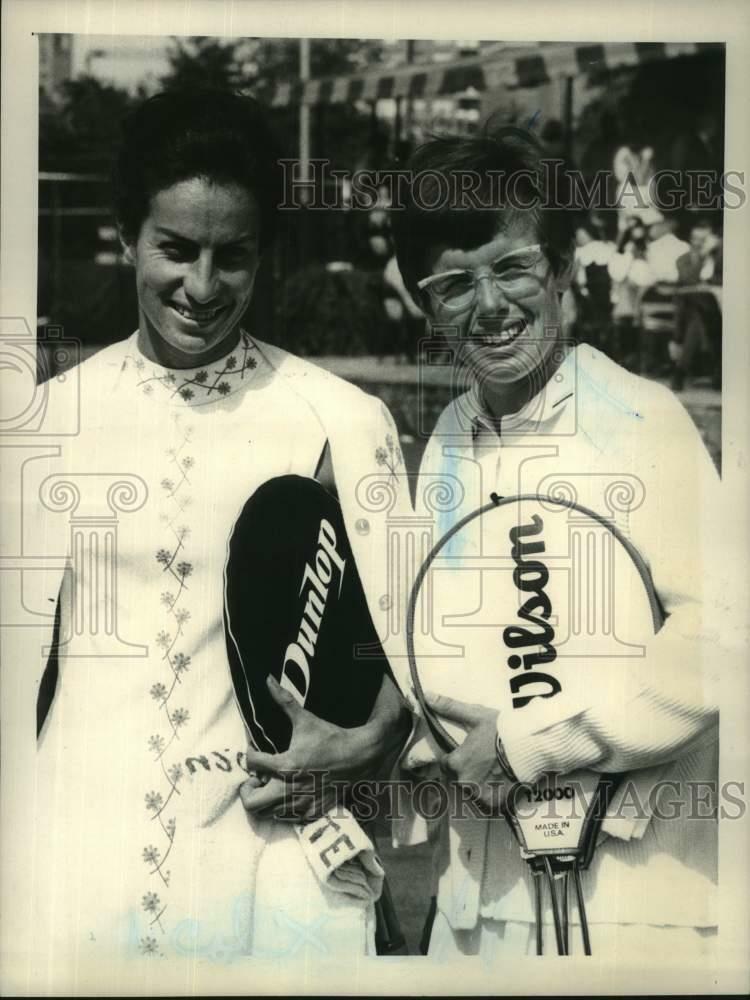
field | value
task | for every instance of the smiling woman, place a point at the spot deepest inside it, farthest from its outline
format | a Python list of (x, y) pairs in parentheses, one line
[(196, 190), (494, 275), (145, 847), (195, 260)]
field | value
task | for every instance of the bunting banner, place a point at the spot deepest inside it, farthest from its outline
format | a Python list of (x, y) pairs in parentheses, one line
[(510, 67)]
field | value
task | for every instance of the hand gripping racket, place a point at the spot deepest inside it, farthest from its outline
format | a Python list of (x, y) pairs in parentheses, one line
[(558, 581), (294, 607)]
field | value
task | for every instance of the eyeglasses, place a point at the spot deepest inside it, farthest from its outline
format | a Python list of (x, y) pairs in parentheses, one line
[(515, 274)]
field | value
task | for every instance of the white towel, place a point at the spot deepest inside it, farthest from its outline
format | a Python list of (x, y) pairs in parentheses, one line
[(342, 855)]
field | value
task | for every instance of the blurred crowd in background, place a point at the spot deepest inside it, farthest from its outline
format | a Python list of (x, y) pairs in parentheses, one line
[(648, 298), (647, 282)]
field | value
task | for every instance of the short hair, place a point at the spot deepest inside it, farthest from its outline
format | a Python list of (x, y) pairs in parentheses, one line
[(174, 136), (498, 157)]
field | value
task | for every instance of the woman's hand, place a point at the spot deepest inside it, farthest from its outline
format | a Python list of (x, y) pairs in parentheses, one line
[(474, 764), (299, 786)]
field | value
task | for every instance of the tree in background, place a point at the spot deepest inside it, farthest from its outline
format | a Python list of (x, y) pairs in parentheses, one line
[(658, 104), (203, 62), (298, 302), (257, 66), (80, 133), (317, 311)]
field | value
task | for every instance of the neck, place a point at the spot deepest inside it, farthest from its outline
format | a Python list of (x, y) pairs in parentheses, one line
[(509, 399), (158, 350)]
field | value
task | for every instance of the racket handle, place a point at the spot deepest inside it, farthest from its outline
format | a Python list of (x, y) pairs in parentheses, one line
[(389, 938)]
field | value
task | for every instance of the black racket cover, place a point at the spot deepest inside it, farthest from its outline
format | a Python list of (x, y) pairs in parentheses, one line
[(294, 607)]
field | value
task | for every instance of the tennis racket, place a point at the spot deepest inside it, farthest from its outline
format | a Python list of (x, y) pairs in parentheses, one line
[(294, 608), (517, 592)]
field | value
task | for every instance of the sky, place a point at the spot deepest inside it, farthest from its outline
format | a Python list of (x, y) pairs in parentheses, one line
[(132, 60)]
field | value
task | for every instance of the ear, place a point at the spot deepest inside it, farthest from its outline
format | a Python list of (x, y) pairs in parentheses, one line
[(128, 248)]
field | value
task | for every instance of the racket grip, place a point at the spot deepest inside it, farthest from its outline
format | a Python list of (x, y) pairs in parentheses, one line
[(389, 937)]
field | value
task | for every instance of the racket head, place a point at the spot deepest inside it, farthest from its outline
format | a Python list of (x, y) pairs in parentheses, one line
[(295, 608), (511, 598)]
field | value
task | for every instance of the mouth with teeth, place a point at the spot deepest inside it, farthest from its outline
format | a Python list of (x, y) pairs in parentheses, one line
[(202, 317), (501, 336)]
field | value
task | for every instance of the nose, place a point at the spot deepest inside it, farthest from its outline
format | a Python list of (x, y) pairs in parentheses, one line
[(201, 280), (490, 300)]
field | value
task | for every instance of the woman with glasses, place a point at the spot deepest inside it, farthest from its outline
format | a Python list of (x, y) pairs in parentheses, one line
[(536, 413), (146, 851)]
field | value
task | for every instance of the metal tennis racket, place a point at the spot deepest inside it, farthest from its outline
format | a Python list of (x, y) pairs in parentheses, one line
[(540, 558)]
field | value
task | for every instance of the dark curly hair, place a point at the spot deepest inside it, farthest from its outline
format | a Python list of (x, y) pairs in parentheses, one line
[(174, 136), (500, 175)]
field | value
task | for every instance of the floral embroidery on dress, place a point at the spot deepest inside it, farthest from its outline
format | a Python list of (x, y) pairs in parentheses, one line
[(207, 383), (153, 906), (389, 456), (149, 946), (154, 801), (172, 560)]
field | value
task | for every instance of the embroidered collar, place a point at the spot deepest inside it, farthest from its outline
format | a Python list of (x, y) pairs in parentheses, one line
[(194, 386)]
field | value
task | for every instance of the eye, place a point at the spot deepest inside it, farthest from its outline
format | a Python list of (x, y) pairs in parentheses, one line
[(177, 251), (518, 271), (512, 272), (453, 286), (234, 256), (515, 266)]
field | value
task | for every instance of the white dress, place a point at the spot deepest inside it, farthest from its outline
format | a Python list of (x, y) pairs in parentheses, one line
[(143, 849)]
